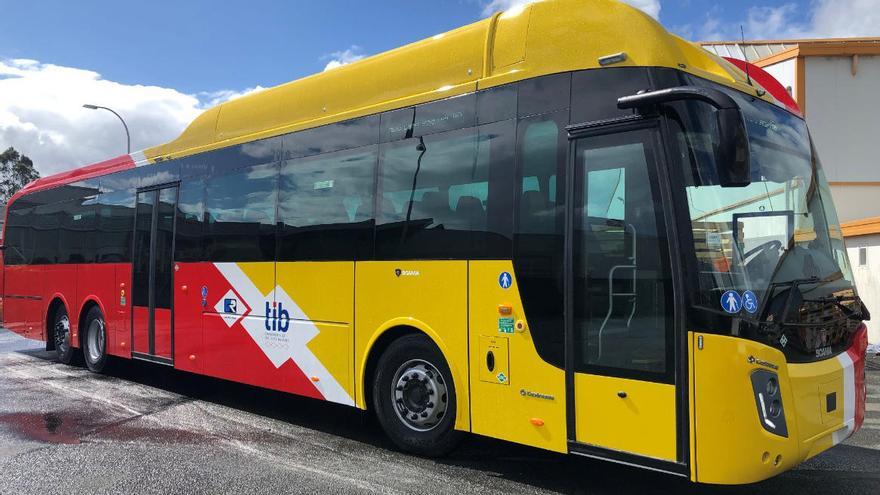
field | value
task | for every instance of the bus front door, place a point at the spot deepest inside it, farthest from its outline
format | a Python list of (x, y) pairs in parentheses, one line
[(152, 274), (620, 361)]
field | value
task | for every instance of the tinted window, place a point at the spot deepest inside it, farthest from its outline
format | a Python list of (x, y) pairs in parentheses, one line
[(353, 133), (240, 215), (120, 181), (595, 92), (326, 206), (225, 160), (430, 118), (164, 246), (115, 220), (538, 246), (544, 94), (496, 104), (76, 240), (160, 173), (142, 240), (19, 234), (190, 221), (434, 195), (46, 226)]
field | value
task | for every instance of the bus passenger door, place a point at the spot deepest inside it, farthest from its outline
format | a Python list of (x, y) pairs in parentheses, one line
[(620, 361), (152, 275)]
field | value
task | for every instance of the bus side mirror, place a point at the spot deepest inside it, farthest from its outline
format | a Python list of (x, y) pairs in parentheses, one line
[(732, 150)]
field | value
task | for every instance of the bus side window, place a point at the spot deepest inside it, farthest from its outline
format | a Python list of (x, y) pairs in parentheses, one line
[(189, 243), (114, 221), (539, 242), (240, 215), (47, 223), (325, 206), (19, 234), (447, 195), (76, 237)]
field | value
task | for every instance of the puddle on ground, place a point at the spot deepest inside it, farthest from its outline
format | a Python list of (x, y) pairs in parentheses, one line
[(68, 428), (50, 427)]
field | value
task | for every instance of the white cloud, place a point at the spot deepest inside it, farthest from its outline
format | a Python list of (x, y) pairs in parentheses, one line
[(342, 57), (825, 19), (651, 7), (846, 18), (41, 113), (493, 6), (212, 98)]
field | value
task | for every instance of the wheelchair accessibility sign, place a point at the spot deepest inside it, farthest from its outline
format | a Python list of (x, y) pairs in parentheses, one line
[(732, 302), (749, 302)]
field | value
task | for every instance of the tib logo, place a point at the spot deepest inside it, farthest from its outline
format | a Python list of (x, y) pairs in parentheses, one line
[(279, 317)]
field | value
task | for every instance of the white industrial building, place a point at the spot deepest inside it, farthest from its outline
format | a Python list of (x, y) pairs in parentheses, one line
[(836, 82)]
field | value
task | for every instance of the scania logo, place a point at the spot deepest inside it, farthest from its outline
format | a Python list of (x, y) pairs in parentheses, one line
[(406, 273)]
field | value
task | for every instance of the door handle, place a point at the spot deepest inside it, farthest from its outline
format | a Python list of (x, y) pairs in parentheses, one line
[(621, 394)]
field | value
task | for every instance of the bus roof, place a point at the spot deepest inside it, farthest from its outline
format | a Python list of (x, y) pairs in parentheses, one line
[(544, 37)]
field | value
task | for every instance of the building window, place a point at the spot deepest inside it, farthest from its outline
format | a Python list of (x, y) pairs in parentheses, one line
[(863, 256)]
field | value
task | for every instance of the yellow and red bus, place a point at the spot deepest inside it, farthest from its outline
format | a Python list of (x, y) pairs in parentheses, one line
[(561, 226)]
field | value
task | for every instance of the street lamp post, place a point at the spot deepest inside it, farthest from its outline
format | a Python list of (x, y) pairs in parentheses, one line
[(127, 135)]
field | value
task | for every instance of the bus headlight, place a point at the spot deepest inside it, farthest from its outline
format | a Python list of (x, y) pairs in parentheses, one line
[(768, 398)]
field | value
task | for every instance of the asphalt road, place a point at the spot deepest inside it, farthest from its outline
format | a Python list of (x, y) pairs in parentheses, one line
[(147, 429)]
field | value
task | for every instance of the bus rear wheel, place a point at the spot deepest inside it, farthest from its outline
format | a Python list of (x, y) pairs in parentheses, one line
[(64, 352), (414, 397), (95, 340)]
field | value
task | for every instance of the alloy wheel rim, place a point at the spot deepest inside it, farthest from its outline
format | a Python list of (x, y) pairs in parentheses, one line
[(420, 395)]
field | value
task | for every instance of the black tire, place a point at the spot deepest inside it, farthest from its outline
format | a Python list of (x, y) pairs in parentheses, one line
[(418, 364), (94, 340), (64, 352)]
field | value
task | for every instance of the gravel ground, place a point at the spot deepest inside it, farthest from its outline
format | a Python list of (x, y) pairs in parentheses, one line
[(148, 429)]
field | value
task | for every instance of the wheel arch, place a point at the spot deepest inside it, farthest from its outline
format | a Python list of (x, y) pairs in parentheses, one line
[(379, 342)]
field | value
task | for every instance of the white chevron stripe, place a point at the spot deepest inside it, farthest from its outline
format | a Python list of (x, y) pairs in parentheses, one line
[(281, 346), (849, 399)]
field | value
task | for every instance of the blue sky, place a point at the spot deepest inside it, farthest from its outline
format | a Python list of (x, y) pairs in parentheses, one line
[(196, 46), (162, 62)]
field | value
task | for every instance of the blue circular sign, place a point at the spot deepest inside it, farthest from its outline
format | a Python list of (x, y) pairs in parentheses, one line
[(750, 302), (731, 301), (505, 280)]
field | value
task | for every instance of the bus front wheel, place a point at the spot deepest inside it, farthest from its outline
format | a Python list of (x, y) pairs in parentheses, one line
[(414, 397), (95, 340)]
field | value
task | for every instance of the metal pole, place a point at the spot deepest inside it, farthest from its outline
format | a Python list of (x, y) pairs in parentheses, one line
[(127, 135)]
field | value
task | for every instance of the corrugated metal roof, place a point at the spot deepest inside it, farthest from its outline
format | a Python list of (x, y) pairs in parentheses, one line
[(755, 50)]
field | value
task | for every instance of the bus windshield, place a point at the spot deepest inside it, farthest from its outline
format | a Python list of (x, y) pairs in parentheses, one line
[(780, 231)]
